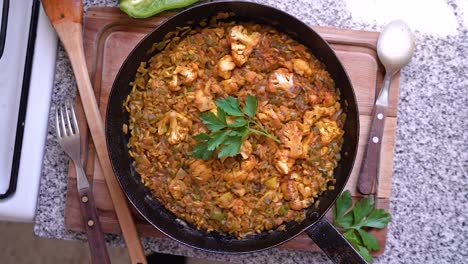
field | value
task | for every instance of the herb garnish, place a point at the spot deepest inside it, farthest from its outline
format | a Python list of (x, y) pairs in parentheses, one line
[(351, 222), (227, 137)]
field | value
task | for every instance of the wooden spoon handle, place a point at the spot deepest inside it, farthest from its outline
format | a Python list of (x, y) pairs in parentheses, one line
[(66, 17), (72, 42)]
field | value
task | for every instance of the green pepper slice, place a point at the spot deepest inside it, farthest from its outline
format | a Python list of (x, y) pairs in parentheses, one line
[(147, 8)]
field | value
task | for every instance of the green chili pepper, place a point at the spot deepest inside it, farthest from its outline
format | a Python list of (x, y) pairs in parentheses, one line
[(218, 215), (147, 8)]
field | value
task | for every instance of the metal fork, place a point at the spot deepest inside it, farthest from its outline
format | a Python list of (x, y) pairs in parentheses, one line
[(68, 136)]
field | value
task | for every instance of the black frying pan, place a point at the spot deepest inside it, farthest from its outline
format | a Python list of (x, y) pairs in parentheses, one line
[(323, 234)]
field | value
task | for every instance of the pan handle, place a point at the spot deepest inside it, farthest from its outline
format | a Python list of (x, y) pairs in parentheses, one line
[(337, 248)]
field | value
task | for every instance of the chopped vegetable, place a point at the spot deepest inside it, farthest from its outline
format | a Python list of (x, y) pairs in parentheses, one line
[(147, 8), (351, 222)]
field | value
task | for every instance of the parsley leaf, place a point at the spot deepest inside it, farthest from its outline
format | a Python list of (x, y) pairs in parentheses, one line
[(352, 238), (369, 240), (364, 253), (345, 221), (221, 115), (343, 203), (242, 132), (231, 147), (351, 220), (230, 105), (250, 106), (212, 121), (201, 136), (216, 139), (227, 137), (362, 209), (201, 151), (239, 122), (378, 218)]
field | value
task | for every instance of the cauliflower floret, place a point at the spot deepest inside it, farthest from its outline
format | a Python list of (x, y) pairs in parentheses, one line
[(289, 190), (239, 174), (285, 113), (229, 86), (328, 98), (238, 207), (283, 162), (329, 130), (235, 175), (251, 76), (219, 32), (284, 80), (249, 165), (298, 204), (313, 98), (296, 193), (246, 149), (200, 171), (267, 113), (304, 190), (178, 129), (301, 67), (280, 79), (310, 117), (307, 142), (242, 43), (189, 73), (177, 188), (182, 75), (204, 102), (291, 137), (225, 66), (174, 83), (262, 152)]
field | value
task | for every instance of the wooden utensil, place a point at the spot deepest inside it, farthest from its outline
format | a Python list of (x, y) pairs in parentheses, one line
[(67, 17)]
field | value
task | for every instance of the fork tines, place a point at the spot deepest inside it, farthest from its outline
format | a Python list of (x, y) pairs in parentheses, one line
[(65, 120)]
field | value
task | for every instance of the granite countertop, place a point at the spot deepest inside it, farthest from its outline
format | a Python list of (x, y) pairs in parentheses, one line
[(429, 199)]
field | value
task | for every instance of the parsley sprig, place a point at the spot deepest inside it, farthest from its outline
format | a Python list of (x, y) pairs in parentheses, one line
[(227, 137), (352, 221)]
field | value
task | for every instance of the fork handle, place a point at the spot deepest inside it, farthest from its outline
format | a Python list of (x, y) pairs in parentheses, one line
[(96, 241)]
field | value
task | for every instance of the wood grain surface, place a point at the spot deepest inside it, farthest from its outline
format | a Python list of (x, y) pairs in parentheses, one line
[(110, 35)]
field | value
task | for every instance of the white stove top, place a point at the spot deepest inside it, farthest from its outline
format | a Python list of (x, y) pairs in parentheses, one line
[(21, 204)]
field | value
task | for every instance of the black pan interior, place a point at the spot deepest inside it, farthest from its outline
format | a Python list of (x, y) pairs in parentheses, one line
[(142, 199)]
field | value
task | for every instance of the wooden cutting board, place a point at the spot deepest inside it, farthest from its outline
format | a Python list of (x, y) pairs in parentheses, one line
[(110, 35)]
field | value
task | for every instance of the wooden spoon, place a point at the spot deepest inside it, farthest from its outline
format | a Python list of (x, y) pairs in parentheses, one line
[(67, 17)]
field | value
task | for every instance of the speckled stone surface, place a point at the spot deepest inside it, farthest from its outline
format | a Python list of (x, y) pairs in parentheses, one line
[(429, 201)]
